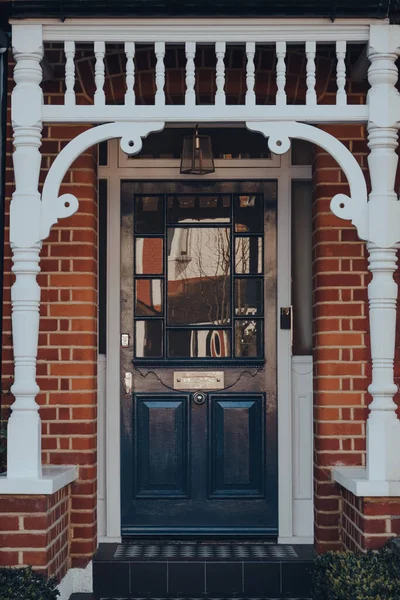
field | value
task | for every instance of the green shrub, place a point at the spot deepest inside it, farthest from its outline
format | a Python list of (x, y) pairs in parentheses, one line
[(349, 576), (26, 584)]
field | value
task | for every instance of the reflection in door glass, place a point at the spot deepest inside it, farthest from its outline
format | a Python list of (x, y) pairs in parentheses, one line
[(149, 256), (198, 275), (149, 214), (191, 208), (148, 300), (249, 213), (248, 339), (248, 255), (198, 343), (148, 339), (248, 296)]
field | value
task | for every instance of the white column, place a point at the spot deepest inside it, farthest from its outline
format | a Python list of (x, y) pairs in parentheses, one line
[(383, 427), (24, 429)]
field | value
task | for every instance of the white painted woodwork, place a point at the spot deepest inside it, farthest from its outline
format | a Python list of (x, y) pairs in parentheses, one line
[(190, 96), (69, 49), (311, 96), (99, 75), (220, 48), (130, 74), (302, 448), (278, 168), (341, 98), (101, 448), (159, 48), (250, 74), (207, 30), (280, 73)]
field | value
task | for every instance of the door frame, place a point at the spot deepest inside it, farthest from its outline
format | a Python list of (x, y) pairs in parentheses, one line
[(109, 484)]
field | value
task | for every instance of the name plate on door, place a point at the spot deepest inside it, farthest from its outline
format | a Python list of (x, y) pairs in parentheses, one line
[(198, 380)]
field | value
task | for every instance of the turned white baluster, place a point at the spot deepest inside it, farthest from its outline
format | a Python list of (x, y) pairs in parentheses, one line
[(159, 48), (69, 49), (311, 96), (220, 73), (190, 96), (99, 52), (24, 428), (250, 74), (280, 73), (130, 73), (341, 98)]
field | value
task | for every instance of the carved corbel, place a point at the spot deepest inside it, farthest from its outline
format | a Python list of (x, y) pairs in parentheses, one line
[(55, 207)]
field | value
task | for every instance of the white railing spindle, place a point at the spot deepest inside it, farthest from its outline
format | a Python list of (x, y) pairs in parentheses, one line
[(311, 96), (69, 49), (99, 52), (130, 73), (159, 48), (190, 95), (280, 73), (220, 73), (250, 73), (341, 98)]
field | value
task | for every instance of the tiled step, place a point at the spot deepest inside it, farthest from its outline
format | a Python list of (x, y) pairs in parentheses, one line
[(202, 570)]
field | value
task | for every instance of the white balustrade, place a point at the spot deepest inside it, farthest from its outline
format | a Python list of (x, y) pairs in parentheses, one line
[(99, 52), (220, 48), (307, 111), (159, 48), (250, 73), (341, 98), (280, 73), (130, 73), (69, 49), (311, 96), (190, 96)]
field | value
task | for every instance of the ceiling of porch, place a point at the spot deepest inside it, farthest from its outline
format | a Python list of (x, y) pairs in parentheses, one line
[(291, 8)]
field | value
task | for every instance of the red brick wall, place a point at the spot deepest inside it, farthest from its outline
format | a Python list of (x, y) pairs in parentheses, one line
[(34, 530), (368, 522)]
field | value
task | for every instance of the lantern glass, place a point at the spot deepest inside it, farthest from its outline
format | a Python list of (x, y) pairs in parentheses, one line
[(197, 157)]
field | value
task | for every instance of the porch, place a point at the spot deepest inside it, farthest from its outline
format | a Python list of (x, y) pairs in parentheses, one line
[(131, 79)]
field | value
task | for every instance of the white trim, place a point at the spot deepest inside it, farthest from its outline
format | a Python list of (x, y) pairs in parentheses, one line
[(283, 174), (52, 480), (101, 448), (205, 30), (355, 479)]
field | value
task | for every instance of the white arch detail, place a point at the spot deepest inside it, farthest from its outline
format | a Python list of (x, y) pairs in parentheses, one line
[(56, 207), (279, 136)]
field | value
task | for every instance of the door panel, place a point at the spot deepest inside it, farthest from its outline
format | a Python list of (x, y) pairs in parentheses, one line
[(237, 446), (191, 469), (161, 445)]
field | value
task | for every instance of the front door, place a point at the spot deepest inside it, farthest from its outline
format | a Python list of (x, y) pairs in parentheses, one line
[(198, 358)]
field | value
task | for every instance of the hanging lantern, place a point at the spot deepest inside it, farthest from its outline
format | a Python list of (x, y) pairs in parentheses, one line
[(197, 158)]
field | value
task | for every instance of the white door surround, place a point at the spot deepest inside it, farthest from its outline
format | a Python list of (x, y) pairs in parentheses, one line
[(377, 220), (295, 500)]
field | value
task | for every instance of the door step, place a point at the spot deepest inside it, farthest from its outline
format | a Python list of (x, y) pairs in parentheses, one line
[(202, 570)]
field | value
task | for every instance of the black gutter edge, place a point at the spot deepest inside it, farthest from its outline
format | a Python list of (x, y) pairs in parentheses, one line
[(4, 45)]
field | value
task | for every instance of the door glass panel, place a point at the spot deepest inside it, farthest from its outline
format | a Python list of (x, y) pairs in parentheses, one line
[(249, 213), (248, 339), (248, 296), (198, 343), (148, 336), (198, 275), (148, 299), (248, 255), (191, 208), (149, 214), (149, 256)]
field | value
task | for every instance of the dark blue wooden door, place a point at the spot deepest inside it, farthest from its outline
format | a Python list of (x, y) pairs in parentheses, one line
[(209, 468)]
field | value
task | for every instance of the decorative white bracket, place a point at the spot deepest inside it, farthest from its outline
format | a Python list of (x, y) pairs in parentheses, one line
[(279, 136), (54, 207)]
